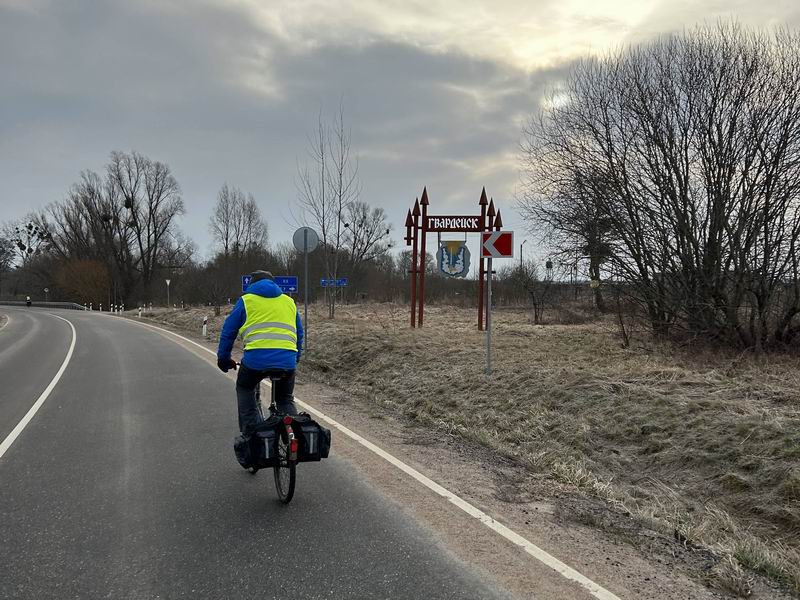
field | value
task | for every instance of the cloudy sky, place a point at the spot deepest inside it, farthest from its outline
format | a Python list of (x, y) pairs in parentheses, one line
[(435, 91)]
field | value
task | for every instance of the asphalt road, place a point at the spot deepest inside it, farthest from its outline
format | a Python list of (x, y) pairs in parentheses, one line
[(124, 485)]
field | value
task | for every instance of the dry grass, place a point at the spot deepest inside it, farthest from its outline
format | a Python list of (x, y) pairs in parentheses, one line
[(702, 446)]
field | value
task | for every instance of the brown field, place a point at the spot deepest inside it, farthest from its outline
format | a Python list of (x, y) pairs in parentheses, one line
[(699, 445)]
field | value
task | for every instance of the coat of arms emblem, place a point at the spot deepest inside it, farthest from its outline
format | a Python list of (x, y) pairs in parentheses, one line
[(453, 258)]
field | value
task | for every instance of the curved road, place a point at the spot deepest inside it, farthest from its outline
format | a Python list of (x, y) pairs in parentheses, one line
[(124, 485)]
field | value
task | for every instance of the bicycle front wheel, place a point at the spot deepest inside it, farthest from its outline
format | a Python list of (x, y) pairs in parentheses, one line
[(285, 472)]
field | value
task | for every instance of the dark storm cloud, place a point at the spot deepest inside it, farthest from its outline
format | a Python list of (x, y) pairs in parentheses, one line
[(220, 98)]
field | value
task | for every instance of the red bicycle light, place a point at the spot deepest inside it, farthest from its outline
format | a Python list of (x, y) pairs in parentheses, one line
[(287, 420), (293, 446)]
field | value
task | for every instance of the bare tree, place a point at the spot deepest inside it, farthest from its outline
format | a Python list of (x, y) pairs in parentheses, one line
[(539, 289), (367, 233), (327, 186), (152, 196), (126, 220), (6, 259), (27, 239), (236, 224), (689, 150), (570, 219)]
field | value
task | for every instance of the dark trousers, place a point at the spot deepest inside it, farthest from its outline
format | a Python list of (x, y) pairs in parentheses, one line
[(246, 383)]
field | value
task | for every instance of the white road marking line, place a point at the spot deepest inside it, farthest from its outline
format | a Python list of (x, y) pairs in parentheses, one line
[(512, 536), (36, 405)]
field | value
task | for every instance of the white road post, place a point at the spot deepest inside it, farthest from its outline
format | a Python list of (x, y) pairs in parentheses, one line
[(140, 312), (205, 327)]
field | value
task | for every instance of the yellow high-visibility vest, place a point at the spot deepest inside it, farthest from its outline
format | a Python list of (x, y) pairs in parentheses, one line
[(270, 323)]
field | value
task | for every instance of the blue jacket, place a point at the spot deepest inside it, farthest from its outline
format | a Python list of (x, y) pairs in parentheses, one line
[(258, 358)]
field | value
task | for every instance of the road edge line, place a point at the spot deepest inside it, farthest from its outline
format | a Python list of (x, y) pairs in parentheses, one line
[(509, 534), (11, 437)]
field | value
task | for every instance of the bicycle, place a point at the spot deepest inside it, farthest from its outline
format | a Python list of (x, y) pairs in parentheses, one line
[(285, 471)]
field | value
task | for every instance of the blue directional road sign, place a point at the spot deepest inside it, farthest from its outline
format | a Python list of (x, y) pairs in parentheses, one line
[(341, 282), (287, 283), (245, 282)]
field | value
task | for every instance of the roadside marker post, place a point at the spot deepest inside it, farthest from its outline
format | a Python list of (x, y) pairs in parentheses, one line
[(494, 244), (205, 327)]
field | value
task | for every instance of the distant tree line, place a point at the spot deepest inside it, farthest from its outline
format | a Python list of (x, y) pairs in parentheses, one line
[(115, 238), (674, 167)]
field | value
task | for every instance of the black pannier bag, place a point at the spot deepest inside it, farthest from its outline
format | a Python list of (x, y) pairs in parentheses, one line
[(241, 447), (315, 440), (257, 447)]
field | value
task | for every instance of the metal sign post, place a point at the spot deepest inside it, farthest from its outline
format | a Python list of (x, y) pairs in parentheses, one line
[(489, 318), (305, 240), (497, 244), (305, 282)]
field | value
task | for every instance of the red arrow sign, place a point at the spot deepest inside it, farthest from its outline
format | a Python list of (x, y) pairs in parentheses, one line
[(497, 244)]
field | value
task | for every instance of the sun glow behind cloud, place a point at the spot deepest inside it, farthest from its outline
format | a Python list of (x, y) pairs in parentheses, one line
[(526, 35)]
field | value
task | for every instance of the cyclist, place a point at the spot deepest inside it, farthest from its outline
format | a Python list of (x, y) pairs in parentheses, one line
[(272, 333)]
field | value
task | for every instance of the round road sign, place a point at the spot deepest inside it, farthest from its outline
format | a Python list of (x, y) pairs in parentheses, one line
[(300, 238)]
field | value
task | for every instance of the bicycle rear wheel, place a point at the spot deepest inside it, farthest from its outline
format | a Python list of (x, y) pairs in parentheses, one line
[(285, 472)]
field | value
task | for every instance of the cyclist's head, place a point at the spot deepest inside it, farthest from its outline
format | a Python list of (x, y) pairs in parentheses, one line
[(259, 275)]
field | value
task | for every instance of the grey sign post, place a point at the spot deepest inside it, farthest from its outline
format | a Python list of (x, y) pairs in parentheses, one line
[(305, 240), (489, 318), (496, 244)]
